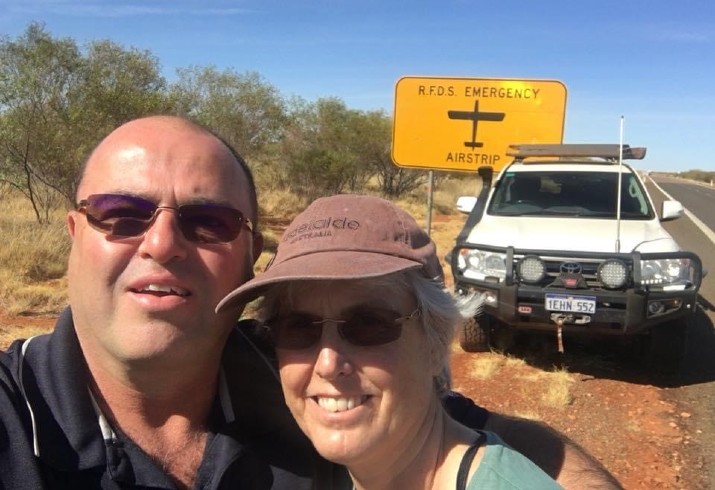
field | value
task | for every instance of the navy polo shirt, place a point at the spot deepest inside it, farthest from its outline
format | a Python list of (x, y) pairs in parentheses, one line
[(51, 435)]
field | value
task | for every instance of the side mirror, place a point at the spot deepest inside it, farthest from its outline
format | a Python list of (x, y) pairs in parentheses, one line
[(465, 204), (671, 210)]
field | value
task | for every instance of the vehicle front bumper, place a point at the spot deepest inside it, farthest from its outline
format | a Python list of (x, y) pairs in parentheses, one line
[(628, 311)]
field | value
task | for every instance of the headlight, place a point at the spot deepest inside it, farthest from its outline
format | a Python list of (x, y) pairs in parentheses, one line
[(665, 272), (613, 274), (481, 264), (531, 269)]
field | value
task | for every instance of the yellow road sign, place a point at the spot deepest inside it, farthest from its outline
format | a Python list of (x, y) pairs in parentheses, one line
[(465, 123)]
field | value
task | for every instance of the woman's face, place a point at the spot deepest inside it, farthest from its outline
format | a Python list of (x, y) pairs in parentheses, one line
[(361, 406)]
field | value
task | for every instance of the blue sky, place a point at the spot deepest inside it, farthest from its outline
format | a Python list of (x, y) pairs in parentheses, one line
[(651, 61)]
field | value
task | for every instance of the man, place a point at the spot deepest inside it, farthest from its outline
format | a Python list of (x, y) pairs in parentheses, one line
[(131, 389), (142, 335)]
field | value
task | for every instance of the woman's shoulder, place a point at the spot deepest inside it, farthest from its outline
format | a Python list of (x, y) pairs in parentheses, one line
[(501, 467)]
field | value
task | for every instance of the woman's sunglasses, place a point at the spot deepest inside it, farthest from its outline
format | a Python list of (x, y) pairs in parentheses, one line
[(363, 327), (123, 216)]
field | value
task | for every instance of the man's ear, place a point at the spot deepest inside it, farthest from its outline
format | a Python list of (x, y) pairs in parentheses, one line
[(71, 223)]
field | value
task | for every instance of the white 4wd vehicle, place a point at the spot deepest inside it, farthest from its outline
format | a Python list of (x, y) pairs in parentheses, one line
[(560, 244)]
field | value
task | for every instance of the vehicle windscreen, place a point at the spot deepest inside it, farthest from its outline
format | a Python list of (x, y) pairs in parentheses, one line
[(570, 194)]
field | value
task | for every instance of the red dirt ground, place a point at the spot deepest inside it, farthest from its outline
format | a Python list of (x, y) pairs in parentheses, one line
[(629, 427)]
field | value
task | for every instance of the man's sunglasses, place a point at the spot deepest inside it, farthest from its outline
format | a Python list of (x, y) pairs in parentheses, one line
[(123, 216), (363, 327)]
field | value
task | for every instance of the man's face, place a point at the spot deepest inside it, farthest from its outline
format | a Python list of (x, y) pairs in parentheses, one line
[(153, 296)]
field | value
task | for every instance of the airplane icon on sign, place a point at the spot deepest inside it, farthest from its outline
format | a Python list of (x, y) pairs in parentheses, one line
[(475, 116)]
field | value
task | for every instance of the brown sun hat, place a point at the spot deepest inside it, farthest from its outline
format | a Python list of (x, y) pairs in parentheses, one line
[(346, 236)]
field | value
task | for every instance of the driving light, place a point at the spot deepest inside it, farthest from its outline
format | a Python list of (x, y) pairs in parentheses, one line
[(531, 269), (613, 274)]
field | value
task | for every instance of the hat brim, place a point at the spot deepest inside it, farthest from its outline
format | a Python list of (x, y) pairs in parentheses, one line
[(335, 265)]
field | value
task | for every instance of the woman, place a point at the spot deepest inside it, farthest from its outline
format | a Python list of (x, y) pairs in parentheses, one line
[(355, 305)]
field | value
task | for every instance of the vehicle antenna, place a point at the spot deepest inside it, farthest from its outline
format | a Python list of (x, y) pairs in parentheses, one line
[(618, 190)]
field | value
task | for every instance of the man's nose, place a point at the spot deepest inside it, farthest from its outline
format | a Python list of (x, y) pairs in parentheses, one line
[(164, 241)]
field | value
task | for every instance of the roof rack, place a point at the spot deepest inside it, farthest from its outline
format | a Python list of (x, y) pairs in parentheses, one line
[(607, 151)]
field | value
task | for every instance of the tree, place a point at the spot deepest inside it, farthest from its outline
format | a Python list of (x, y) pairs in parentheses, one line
[(37, 74), (373, 136), (115, 85), (56, 103), (243, 108), (319, 154)]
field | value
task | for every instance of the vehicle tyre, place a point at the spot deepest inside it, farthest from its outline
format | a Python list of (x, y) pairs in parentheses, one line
[(474, 336), (666, 346)]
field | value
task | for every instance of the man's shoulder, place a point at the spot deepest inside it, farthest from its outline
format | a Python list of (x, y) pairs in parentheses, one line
[(11, 361), (38, 356), (24, 366), (8, 365), (18, 463), (248, 347), (465, 411), (265, 422), (251, 374), (29, 361)]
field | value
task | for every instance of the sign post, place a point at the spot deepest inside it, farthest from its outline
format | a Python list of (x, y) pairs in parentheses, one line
[(465, 123), (430, 195)]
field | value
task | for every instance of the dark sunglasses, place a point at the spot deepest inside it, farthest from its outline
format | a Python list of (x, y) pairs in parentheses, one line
[(123, 216), (363, 327)]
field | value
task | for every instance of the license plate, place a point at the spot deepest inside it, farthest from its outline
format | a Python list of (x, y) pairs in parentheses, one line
[(572, 304)]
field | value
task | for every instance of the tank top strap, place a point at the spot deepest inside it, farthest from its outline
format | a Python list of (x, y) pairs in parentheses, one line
[(467, 461)]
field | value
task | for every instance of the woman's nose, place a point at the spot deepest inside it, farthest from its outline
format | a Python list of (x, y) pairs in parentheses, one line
[(333, 358)]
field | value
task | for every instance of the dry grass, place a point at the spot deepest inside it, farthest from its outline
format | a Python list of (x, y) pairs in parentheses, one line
[(486, 365), (558, 389), (557, 384), (33, 299), (551, 389), (33, 259)]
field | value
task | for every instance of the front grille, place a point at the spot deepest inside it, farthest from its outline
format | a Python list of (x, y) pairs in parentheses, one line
[(588, 269)]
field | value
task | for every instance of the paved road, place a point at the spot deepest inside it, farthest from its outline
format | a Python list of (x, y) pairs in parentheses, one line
[(694, 390), (695, 236), (697, 198)]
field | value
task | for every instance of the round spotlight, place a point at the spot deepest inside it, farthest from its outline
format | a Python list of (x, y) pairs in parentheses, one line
[(613, 274), (531, 269)]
